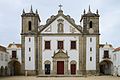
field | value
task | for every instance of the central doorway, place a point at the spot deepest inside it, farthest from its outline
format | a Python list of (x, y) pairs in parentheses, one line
[(60, 67)]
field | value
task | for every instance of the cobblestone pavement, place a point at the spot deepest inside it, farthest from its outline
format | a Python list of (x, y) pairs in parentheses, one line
[(61, 78)]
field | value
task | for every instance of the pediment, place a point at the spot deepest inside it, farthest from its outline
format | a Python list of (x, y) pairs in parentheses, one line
[(60, 54), (69, 25)]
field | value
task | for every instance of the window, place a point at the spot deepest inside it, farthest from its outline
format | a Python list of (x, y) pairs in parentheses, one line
[(73, 44), (1, 57), (29, 39), (90, 49), (60, 45), (6, 57), (29, 49), (90, 58), (29, 58), (90, 24), (29, 26), (106, 54), (47, 44), (90, 39), (14, 53), (60, 27)]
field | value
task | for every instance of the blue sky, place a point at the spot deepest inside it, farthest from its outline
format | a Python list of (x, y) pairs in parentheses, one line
[(11, 10)]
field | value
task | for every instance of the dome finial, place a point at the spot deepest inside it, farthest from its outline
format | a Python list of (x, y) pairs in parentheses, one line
[(60, 6)]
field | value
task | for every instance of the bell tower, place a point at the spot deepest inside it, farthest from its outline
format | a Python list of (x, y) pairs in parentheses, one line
[(29, 41), (90, 22), (91, 42)]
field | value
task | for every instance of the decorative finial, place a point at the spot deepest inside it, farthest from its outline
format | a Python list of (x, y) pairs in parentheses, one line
[(106, 43), (97, 11), (84, 11), (23, 11), (36, 11), (60, 6), (31, 10), (54, 52)]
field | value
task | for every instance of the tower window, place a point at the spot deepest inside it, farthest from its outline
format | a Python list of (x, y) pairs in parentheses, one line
[(90, 58), (29, 26), (90, 49), (60, 27), (29, 49), (90, 24), (90, 39), (29, 58), (29, 39)]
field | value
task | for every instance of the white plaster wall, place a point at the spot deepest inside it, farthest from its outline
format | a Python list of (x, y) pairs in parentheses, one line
[(3, 62), (29, 65), (54, 26), (18, 53), (47, 54), (101, 53), (91, 65)]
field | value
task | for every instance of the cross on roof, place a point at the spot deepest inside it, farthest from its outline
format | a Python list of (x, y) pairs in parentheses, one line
[(60, 6)]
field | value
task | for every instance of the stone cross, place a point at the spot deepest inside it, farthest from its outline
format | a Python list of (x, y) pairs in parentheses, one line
[(60, 6)]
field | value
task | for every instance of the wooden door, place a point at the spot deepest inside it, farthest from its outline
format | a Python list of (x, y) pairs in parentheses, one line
[(60, 67), (73, 68)]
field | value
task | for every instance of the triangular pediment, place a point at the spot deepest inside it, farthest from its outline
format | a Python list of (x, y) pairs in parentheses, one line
[(69, 26)]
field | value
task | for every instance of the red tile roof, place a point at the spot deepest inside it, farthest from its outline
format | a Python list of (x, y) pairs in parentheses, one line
[(17, 45), (117, 49), (2, 48)]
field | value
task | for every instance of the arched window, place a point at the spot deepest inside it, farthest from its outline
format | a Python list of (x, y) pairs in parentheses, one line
[(60, 27), (29, 26), (90, 24)]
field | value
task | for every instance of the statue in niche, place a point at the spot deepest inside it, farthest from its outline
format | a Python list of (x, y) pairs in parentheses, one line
[(60, 27)]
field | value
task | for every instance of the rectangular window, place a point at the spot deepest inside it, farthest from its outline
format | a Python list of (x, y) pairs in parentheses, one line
[(1, 57), (90, 58), (73, 44), (47, 45), (90, 49), (29, 49), (29, 39), (106, 54), (90, 39), (60, 45), (14, 53), (29, 58)]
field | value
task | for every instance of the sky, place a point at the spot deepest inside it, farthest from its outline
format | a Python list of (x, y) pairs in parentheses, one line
[(11, 10)]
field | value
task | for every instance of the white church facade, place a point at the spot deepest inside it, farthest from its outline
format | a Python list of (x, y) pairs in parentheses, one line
[(60, 47)]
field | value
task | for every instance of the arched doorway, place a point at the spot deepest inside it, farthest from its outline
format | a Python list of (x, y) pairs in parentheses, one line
[(6, 70), (2, 71), (106, 67), (47, 67), (15, 68), (73, 67)]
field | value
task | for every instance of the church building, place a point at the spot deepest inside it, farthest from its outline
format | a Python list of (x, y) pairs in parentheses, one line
[(60, 46)]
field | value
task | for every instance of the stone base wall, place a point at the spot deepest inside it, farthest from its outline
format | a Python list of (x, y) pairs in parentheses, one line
[(30, 73), (91, 72)]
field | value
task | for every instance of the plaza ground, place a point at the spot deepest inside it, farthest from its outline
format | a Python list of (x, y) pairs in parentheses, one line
[(60, 78)]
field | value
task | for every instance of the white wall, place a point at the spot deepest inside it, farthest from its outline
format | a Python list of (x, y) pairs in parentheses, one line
[(101, 52), (91, 65), (29, 65), (18, 52), (3, 61), (47, 54)]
